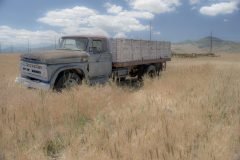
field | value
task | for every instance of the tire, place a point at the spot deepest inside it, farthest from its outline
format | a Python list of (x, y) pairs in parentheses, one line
[(67, 80), (122, 79), (151, 71)]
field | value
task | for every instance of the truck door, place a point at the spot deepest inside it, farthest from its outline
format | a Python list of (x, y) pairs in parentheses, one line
[(100, 60)]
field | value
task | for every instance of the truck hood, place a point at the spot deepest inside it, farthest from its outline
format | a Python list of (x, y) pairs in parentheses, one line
[(56, 56)]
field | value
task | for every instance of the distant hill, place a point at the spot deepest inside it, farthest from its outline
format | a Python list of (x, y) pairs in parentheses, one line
[(203, 46)]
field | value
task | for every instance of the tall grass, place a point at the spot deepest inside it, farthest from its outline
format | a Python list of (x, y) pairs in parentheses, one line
[(190, 112)]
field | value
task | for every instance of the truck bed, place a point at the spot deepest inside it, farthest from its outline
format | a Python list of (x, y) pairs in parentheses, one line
[(127, 52)]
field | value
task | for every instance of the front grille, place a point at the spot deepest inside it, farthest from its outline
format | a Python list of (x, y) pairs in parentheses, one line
[(34, 70), (26, 69)]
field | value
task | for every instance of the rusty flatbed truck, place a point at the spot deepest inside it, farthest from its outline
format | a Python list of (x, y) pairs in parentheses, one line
[(94, 59)]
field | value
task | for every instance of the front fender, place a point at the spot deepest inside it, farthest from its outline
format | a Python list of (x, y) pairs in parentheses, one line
[(78, 67)]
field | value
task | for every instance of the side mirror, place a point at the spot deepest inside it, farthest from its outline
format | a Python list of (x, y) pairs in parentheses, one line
[(90, 49)]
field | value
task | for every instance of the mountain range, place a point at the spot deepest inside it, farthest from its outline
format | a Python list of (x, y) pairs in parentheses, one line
[(203, 46)]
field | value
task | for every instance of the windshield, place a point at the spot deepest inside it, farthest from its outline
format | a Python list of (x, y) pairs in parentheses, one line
[(74, 44)]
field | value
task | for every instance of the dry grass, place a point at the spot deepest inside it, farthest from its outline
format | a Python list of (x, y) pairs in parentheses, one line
[(191, 112)]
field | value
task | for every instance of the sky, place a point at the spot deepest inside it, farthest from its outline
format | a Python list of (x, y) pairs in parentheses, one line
[(42, 21)]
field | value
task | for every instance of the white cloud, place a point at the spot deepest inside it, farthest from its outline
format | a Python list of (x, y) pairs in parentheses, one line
[(117, 10), (68, 17), (193, 2), (112, 8), (120, 35), (118, 23), (137, 14), (21, 36), (74, 30), (82, 21), (155, 6), (73, 20), (220, 8)]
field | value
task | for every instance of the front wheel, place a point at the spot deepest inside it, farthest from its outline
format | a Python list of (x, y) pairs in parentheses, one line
[(67, 80)]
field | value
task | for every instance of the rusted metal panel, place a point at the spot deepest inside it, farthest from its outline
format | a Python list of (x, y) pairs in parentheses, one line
[(56, 56), (140, 62)]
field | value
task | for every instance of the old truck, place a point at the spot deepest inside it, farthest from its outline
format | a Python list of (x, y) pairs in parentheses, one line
[(93, 59)]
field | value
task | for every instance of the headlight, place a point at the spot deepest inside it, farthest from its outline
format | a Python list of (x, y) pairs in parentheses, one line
[(44, 71), (84, 59)]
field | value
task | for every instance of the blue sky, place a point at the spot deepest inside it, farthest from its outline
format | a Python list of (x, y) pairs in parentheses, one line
[(174, 20)]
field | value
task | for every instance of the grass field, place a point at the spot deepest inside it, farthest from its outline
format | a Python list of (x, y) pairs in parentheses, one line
[(191, 112)]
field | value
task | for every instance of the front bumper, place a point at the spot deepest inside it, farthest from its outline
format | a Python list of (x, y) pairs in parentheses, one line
[(32, 84)]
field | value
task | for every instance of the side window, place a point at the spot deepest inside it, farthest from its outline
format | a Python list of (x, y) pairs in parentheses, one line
[(97, 46)]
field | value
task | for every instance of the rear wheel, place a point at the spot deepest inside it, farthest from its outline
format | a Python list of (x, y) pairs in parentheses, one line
[(67, 80), (151, 71)]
